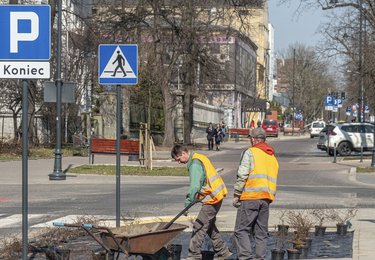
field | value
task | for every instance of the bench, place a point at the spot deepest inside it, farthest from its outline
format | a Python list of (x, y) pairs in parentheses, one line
[(236, 132), (289, 130), (108, 146)]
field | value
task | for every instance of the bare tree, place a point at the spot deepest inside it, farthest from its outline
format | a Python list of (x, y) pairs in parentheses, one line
[(311, 80), (342, 39)]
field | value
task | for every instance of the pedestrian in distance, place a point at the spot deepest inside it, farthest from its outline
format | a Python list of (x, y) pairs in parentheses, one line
[(218, 136), (205, 180), (254, 190), (223, 130), (252, 124), (210, 130)]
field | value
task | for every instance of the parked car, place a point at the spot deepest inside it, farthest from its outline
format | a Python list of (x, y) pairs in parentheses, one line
[(315, 128), (323, 137), (350, 137), (271, 127)]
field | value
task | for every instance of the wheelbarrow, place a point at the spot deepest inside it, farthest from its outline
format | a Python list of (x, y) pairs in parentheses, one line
[(146, 240)]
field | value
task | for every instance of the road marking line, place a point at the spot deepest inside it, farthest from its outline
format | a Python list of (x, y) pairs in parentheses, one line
[(16, 219)]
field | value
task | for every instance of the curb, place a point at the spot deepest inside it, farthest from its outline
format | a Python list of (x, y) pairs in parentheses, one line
[(353, 177)]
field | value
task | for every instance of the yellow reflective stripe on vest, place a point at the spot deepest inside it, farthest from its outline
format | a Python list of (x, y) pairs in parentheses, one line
[(264, 176), (214, 193), (214, 178), (260, 189), (214, 189)]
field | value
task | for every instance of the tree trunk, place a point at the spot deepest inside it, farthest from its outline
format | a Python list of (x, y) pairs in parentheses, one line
[(31, 112), (187, 116), (169, 136), (15, 127)]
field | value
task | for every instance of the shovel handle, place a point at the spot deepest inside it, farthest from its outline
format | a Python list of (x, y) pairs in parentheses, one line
[(196, 200)]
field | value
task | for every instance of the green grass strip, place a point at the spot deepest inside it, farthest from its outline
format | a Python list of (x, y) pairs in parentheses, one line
[(129, 170), (353, 158), (365, 170), (43, 153)]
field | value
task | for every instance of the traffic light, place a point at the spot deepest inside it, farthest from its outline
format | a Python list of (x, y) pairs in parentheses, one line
[(342, 95)]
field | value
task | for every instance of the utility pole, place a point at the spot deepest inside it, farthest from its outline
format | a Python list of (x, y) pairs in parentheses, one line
[(293, 88)]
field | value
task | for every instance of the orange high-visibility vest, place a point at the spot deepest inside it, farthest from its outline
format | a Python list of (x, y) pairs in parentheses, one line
[(214, 189), (262, 180)]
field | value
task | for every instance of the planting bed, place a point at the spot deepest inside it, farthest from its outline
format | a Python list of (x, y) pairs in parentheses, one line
[(329, 246)]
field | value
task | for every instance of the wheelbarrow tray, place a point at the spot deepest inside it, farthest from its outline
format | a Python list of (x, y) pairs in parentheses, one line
[(146, 238)]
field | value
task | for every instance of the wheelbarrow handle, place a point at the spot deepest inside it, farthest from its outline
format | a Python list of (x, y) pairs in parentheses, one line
[(196, 200), (61, 224), (87, 228)]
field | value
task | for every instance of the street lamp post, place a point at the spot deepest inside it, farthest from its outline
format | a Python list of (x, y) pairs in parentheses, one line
[(57, 173), (360, 58), (360, 61)]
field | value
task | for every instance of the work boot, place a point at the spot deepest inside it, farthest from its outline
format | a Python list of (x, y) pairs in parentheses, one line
[(226, 255)]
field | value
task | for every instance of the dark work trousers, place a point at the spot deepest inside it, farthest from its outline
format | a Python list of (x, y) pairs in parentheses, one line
[(252, 215), (210, 143), (205, 225)]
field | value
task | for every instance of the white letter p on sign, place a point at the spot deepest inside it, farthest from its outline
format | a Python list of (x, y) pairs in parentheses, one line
[(16, 36)]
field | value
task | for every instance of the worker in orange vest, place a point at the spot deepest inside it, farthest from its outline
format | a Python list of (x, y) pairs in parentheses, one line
[(254, 190)]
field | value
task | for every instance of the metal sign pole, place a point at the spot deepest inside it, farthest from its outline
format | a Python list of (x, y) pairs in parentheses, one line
[(118, 158), (25, 209), (118, 65)]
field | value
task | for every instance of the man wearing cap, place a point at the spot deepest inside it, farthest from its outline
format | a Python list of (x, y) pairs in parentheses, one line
[(254, 190)]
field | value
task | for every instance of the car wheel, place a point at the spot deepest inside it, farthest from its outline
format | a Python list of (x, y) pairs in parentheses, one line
[(344, 149), (311, 136), (330, 152)]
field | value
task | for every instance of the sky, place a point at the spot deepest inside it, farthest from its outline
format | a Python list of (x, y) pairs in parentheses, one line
[(291, 27)]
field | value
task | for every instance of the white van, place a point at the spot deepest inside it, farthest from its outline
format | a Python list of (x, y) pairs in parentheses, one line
[(316, 127)]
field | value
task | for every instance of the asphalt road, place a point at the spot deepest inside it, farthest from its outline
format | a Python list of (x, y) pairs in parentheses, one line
[(307, 178)]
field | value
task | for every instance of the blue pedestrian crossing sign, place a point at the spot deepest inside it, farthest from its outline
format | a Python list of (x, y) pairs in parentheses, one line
[(118, 64)]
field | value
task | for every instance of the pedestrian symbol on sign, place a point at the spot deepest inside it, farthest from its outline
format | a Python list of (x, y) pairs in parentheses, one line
[(120, 62), (116, 63)]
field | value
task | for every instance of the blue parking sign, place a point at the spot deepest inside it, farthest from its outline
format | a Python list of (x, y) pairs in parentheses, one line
[(328, 101), (118, 64), (25, 32)]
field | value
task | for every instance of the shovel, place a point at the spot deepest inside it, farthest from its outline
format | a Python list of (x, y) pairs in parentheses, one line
[(196, 200)]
